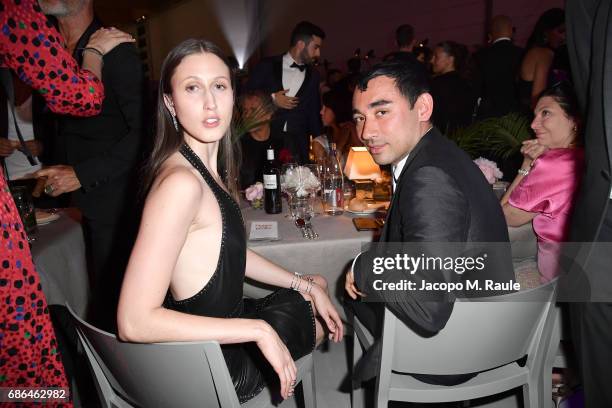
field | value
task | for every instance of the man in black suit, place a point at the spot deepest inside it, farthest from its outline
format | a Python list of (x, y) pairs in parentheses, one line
[(294, 85), (440, 196), (589, 32), (496, 71), (100, 155)]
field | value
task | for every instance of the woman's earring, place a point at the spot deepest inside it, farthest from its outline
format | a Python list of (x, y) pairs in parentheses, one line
[(175, 123)]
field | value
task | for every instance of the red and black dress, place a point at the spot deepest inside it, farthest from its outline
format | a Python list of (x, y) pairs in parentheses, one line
[(31, 47)]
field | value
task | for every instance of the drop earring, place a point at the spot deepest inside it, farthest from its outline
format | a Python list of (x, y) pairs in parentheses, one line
[(175, 123)]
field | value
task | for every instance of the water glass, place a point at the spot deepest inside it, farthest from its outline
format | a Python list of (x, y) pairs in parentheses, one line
[(25, 206)]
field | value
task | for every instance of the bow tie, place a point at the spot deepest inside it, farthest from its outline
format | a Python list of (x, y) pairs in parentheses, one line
[(298, 66)]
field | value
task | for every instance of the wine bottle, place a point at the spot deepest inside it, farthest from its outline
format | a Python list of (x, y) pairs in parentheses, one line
[(272, 189)]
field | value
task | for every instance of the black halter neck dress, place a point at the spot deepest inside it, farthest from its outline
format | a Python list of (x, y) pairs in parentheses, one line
[(285, 310)]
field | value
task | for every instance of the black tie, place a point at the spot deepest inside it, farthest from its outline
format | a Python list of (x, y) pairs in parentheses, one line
[(298, 66)]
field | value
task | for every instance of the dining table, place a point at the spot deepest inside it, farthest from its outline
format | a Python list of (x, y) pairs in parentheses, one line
[(338, 242), (329, 255)]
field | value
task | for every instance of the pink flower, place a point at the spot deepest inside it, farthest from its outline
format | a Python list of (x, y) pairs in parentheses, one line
[(254, 192), (489, 169)]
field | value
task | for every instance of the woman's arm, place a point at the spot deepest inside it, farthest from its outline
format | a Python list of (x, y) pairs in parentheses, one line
[(515, 217), (265, 271), (102, 42), (50, 69)]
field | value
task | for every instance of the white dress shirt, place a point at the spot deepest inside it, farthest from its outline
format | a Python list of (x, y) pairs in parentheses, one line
[(397, 170), (292, 77), (17, 164)]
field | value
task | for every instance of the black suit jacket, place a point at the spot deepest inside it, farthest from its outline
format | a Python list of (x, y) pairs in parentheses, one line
[(495, 75), (304, 119), (590, 48), (453, 101), (441, 196), (106, 149)]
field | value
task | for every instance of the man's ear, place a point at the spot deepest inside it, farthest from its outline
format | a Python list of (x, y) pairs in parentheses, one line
[(424, 106), (169, 104), (301, 45)]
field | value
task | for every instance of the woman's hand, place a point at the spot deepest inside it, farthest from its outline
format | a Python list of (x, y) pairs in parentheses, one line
[(277, 354), (328, 312), (318, 279), (105, 39), (532, 149)]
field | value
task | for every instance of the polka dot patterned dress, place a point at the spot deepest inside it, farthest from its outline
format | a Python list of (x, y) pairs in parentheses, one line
[(29, 355), (31, 47)]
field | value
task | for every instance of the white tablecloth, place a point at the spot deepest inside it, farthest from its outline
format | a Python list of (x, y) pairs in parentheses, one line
[(59, 255)]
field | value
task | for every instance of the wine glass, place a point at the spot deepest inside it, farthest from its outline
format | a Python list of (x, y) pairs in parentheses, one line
[(288, 184), (312, 181)]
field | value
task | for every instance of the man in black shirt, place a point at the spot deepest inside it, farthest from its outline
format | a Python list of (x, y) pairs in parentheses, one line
[(496, 71), (100, 156)]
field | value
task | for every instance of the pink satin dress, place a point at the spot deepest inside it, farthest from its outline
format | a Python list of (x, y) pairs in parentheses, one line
[(550, 190)]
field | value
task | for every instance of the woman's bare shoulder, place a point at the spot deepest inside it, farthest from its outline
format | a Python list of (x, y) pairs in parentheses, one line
[(178, 179)]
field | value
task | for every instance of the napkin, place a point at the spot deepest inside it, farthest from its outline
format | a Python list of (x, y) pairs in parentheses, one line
[(264, 230)]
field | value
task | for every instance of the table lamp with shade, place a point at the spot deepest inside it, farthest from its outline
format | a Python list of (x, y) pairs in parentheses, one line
[(362, 170)]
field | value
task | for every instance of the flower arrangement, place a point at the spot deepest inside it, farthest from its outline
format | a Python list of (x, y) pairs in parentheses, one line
[(254, 194), (302, 181), (490, 170)]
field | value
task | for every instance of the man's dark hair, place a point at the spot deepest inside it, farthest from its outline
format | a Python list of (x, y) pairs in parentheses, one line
[(409, 75), (304, 30), (404, 35)]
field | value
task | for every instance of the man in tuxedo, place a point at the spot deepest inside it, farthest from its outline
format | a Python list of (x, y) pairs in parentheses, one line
[(440, 196), (99, 157), (294, 85), (496, 71), (589, 33)]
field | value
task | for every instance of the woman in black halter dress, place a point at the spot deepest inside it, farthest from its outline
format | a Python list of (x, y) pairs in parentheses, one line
[(178, 286)]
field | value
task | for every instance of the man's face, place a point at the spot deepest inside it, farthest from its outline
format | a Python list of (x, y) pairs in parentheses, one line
[(61, 8), (386, 124), (312, 51)]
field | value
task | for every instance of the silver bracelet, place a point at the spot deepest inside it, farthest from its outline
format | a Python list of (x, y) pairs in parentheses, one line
[(523, 172)]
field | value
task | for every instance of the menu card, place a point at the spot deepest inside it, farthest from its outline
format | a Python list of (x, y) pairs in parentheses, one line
[(264, 230)]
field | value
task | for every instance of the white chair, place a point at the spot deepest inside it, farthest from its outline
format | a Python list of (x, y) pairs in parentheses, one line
[(485, 335), (186, 374)]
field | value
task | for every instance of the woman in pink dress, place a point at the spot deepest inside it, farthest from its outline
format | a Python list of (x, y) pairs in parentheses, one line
[(546, 184)]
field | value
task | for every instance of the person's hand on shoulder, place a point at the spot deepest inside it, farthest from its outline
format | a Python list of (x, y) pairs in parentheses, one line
[(105, 39)]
